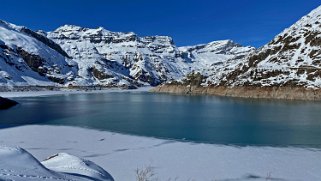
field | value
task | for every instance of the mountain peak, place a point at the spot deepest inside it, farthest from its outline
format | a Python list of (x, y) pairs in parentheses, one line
[(69, 28), (223, 43), (10, 25)]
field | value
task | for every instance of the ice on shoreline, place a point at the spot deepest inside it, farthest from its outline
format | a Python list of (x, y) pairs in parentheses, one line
[(68, 91), (121, 155)]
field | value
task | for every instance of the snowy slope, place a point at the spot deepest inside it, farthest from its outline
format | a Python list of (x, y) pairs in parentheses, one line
[(27, 58), (216, 59), (214, 53), (292, 58), (17, 164)]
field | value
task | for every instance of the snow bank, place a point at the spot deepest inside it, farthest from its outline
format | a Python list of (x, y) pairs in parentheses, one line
[(121, 155), (17, 164), (66, 163)]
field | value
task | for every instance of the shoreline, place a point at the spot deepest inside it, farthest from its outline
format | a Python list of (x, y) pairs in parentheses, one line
[(37, 93), (280, 93), (247, 92), (121, 155)]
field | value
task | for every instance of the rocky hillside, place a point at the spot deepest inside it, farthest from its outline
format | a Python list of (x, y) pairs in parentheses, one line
[(292, 58)]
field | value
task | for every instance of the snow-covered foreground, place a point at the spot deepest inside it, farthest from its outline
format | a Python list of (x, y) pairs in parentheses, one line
[(121, 155), (69, 91), (17, 164)]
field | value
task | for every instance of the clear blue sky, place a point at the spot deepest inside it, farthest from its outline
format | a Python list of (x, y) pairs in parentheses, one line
[(249, 22)]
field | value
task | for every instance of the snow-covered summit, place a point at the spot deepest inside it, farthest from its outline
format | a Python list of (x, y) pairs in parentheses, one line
[(226, 48), (214, 45)]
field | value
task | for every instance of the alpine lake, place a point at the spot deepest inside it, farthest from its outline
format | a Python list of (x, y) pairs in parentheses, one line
[(201, 119)]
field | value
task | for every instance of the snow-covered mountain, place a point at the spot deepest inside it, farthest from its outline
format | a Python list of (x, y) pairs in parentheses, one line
[(102, 54), (76, 56), (73, 55), (28, 58), (292, 58)]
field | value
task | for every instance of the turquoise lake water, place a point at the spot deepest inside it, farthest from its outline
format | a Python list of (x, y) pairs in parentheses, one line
[(207, 119)]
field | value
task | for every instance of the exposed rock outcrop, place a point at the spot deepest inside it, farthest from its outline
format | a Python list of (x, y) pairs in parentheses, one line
[(291, 93)]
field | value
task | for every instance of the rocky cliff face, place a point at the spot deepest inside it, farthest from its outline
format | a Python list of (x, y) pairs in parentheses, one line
[(292, 58), (104, 56)]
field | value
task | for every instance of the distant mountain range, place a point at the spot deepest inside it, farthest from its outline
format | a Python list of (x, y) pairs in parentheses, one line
[(77, 56)]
